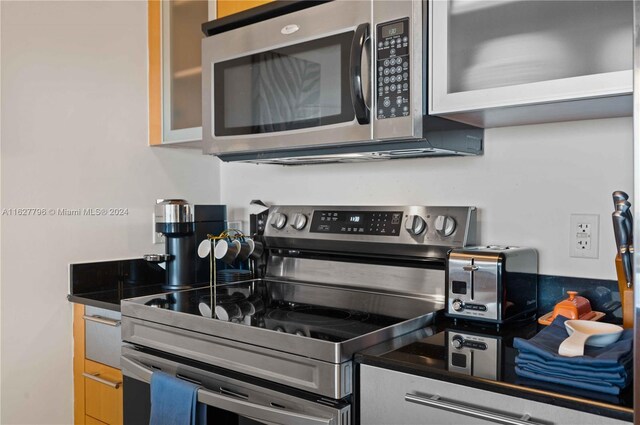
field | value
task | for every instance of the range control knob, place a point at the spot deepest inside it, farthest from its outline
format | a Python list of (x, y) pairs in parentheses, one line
[(279, 220), (445, 225), (457, 305), (415, 225), (299, 221), (457, 342)]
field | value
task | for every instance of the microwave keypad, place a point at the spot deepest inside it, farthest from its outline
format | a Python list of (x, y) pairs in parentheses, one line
[(392, 69)]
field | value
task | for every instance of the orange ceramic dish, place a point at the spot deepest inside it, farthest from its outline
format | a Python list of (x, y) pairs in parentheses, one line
[(574, 307)]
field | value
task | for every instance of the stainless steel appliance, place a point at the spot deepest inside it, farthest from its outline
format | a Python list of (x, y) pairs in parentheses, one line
[(184, 226), (308, 82), (492, 283), (338, 280)]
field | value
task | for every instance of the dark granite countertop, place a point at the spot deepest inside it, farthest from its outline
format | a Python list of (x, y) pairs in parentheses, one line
[(103, 284), (426, 353)]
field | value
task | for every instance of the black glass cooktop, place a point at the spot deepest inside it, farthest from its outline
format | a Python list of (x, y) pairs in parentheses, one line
[(319, 312)]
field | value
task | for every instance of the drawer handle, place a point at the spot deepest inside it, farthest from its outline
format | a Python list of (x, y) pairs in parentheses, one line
[(474, 412), (102, 320), (96, 377), (471, 268)]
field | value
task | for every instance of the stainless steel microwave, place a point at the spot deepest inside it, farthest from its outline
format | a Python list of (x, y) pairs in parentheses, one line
[(323, 81)]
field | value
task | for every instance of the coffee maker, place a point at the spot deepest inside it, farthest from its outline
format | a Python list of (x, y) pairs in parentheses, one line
[(184, 227)]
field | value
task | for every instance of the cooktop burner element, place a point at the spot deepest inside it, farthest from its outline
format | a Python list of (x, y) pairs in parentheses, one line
[(329, 290)]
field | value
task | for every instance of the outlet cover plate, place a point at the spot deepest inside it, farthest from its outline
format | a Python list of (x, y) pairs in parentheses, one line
[(584, 232)]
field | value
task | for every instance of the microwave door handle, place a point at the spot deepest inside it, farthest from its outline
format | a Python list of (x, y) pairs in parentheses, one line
[(236, 405), (355, 71)]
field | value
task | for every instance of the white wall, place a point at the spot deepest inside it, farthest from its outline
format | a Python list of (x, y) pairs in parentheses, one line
[(529, 181), (74, 134)]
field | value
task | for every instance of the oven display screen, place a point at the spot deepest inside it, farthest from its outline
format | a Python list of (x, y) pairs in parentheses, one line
[(393, 30), (382, 223), (356, 218)]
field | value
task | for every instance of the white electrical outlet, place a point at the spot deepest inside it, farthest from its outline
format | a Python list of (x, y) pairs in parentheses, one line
[(583, 235), (157, 238)]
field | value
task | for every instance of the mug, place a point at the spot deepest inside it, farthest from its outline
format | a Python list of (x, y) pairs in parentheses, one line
[(228, 311), (227, 251), (246, 248), (204, 249), (258, 249)]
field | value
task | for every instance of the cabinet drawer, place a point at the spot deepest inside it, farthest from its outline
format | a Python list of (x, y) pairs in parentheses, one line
[(385, 400), (102, 336), (88, 420), (103, 392)]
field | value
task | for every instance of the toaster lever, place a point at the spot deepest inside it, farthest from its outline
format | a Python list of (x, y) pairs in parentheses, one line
[(471, 268)]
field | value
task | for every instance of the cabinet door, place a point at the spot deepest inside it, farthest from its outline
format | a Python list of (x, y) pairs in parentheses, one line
[(88, 420), (229, 7), (393, 398), (175, 87), (488, 54), (103, 392)]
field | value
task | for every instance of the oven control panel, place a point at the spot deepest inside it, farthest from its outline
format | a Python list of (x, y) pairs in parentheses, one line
[(383, 223), (392, 69), (395, 230)]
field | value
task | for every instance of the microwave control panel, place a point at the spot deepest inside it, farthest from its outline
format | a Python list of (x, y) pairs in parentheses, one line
[(392, 69)]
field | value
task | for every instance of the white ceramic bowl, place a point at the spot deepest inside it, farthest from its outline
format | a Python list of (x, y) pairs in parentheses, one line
[(587, 332)]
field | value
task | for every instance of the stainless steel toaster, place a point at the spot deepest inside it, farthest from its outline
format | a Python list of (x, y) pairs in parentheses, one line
[(491, 283)]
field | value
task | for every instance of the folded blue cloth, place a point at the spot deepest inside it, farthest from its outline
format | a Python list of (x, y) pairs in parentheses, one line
[(561, 366), (604, 369), (576, 392), (602, 387), (174, 401), (613, 379)]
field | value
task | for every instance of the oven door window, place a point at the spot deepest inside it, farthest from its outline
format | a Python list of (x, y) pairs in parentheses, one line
[(294, 87)]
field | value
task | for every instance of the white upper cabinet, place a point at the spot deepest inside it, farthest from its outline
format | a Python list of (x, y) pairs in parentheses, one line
[(175, 73), (509, 62), (182, 73)]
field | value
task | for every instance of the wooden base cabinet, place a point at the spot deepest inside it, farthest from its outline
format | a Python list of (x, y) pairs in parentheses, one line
[(394, 398), (97, 387), (103, 392)]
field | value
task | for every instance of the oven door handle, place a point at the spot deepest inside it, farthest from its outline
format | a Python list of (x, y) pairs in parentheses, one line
[(232, 404), (355, 70)]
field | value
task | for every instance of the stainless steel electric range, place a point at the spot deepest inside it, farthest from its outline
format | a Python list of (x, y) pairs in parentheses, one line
[(279, 349)]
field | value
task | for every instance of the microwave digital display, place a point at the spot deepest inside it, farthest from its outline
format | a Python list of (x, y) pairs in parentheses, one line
[(393, 30)]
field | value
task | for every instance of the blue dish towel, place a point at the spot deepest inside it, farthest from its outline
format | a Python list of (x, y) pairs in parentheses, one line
[(604, 369), (174, 401)]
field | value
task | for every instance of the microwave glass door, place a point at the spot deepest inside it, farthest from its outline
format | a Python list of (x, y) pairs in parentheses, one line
[(294, 87)]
